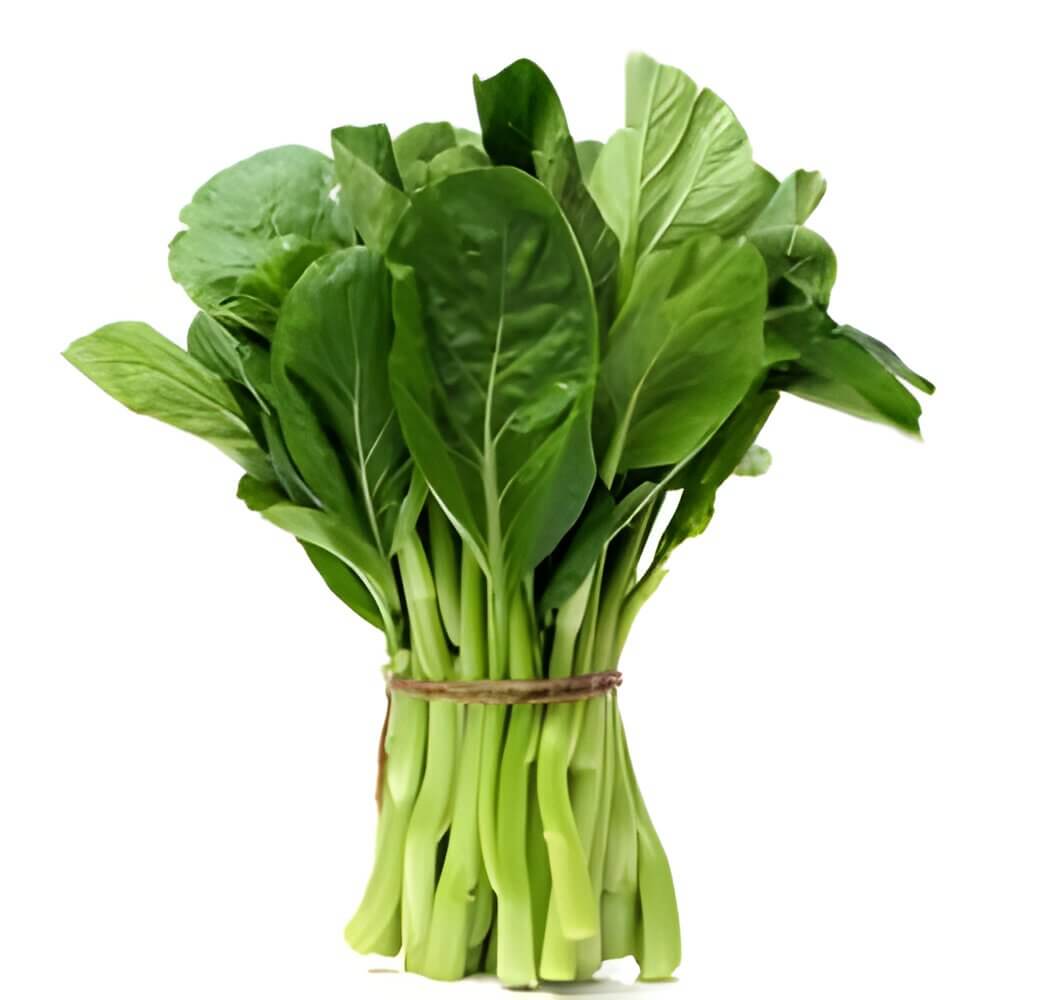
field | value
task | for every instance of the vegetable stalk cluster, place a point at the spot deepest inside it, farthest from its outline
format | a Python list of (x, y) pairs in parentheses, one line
[(464, 370)]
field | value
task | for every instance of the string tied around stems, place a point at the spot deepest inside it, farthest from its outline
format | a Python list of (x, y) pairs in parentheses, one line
[(535, 691)]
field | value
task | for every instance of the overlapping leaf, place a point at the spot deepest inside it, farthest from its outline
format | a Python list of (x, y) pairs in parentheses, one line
[(524, 126), (493, 364), (683, 352), (252, 231), (153, 376)]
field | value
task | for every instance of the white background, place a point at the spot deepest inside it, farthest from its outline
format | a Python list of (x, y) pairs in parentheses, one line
[(833, 700)]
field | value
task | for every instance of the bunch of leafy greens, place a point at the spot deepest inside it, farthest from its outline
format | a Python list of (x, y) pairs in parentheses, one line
[(464, 371)]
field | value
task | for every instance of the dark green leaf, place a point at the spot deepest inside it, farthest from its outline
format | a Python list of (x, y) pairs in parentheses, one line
[(338, 576), (887, 358), (711, 467), (493, 364), (681, 354), (602, 519), (524, 126), (835, 369), (253, 229), (153, 376), (335, 536), (345, 584), (330, 371)]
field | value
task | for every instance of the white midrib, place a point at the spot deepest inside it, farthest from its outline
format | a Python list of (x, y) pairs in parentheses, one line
[(362, 457), (489, 463)]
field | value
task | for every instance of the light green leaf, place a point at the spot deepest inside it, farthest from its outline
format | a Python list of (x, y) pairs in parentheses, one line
[(792, 201), (372, 188), (588, 151), (682, 353), (493, 364), (253, 229), (153, 376), (694, 167), (330, 371)]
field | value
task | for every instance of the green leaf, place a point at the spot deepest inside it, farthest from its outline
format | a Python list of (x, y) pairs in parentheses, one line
[(588, 151), (330, 371), (326, 531), (602, 519), (800, 257), (372, 188), (887, 358), (258, 495), (252, 231), (233, 356), (296, 489), (524, 126), (720, 458), (151, 375), (455, 161), (338, 576), (690, 167), (345, 584), (494, 361), (417, 146), (836, 368), (792, 201), (681, 354)]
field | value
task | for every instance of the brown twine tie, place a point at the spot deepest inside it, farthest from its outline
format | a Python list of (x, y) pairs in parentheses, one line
[(537, 691)]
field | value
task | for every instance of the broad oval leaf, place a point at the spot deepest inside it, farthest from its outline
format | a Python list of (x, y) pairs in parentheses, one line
[(252, 231), (524, 126), (330, 372), (682, 353), (151, 375), (494, 361)]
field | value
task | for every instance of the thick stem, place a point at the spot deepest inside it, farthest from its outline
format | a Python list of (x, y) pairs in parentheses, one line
[(444, 552), (516, 945)]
